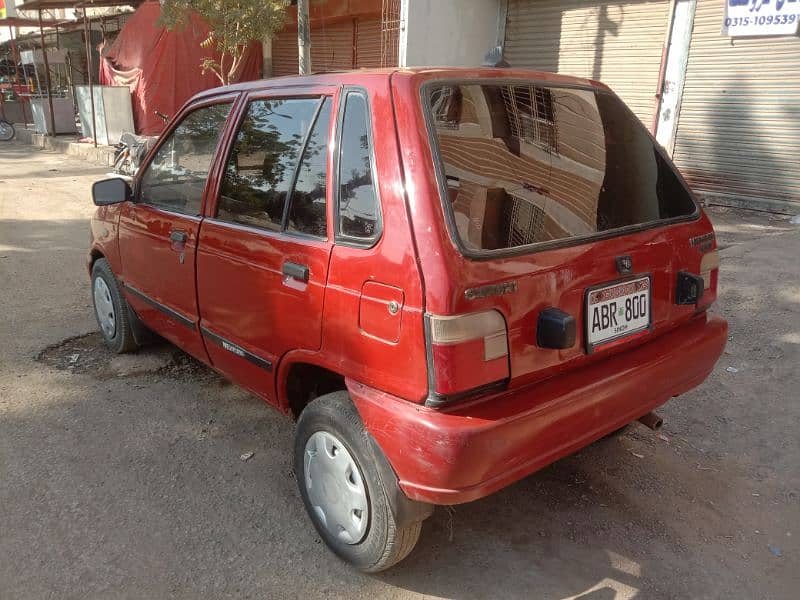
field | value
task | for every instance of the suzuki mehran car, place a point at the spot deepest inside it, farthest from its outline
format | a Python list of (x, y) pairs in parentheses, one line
[(450, 278)]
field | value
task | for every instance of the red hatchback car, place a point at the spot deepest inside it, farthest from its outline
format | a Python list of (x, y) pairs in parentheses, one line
[(450, 278)]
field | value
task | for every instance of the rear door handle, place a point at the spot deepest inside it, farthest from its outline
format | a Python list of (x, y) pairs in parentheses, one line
[(178, 237), (296, 271)]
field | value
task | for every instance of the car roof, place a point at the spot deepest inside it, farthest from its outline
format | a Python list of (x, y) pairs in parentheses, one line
[(361, 76)]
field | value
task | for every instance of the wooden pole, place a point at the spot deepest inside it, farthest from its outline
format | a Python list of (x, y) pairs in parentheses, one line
[(303, 37), (47, 76), (87, 36)]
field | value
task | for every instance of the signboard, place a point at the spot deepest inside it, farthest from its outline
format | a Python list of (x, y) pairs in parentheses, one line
[(8, 8), (761, 17)]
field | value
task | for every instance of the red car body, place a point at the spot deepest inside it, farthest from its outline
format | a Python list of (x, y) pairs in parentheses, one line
[(362, 312)]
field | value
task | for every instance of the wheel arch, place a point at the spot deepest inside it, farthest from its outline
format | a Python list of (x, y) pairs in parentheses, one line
[(95, 254), (302, 377)]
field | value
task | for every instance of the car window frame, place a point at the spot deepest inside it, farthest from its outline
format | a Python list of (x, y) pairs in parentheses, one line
[(341, 238), (293, 92), (536, 247), (232, 98)]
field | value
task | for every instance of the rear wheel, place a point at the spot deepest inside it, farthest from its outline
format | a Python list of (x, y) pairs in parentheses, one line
[(343, 490), (6, 131), (111, 309)]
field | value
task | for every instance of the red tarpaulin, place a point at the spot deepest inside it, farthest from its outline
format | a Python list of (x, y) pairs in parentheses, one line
[(162, 68)]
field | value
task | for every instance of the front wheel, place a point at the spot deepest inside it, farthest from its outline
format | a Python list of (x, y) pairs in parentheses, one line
[(6, 131), (111, 309), (343, 489)]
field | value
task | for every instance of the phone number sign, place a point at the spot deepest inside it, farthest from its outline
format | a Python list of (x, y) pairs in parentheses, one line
[(761, 17)]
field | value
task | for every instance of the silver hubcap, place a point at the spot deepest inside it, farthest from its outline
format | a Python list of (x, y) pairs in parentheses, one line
[(104, 307), (335, 488)]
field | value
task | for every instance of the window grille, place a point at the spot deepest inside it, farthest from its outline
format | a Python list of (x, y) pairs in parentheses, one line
[(390, 33), (443, 107), (525, 222), (531, 115)]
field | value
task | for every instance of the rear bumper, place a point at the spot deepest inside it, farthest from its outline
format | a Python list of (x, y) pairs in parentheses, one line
[(474, 450)]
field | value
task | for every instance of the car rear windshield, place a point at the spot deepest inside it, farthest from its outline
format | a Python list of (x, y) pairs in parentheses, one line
[(525, 163)]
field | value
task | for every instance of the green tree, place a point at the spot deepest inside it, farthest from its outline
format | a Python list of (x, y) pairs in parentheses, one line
[(233, 25)]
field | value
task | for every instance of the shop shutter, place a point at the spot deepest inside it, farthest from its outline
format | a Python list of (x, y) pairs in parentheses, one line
[(331, 49), (738, 131), (368, 43), (620, 44), (284, 54)]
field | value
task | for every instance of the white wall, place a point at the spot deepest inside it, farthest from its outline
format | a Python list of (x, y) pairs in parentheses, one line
[(455, 33)]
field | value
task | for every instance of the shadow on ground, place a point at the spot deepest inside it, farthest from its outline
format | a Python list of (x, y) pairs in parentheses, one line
[(140, 484)]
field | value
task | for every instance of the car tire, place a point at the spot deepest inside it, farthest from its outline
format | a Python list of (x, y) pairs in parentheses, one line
[(111, 310), (386, 541)]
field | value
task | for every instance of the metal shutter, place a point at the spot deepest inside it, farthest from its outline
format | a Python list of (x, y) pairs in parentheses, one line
[(284, 54), (739, 122), (368, 43), (331, 49), (620, 44)]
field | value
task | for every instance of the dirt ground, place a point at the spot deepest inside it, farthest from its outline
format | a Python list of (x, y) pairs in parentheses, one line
[(122, 477)]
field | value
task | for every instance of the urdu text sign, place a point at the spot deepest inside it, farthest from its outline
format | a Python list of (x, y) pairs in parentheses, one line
[(761, 17)]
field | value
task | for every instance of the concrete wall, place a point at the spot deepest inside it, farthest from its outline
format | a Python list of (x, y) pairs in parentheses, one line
[(455, 33)]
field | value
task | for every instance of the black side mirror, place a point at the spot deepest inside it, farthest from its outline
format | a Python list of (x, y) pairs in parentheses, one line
[(111, 191)]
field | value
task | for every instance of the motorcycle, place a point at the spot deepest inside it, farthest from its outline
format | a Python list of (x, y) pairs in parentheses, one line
[(6, 131), (132, 148)]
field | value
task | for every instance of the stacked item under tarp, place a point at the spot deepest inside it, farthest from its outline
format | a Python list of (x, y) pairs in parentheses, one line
[(163, 68)]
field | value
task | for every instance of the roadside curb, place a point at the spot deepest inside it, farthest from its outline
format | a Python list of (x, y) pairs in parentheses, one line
[(102, 155)]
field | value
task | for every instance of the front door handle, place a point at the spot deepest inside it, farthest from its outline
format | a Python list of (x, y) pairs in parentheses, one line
[(178, 237), (296, 271)]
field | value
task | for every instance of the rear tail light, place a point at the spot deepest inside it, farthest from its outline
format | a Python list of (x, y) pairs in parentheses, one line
[(709, 267), (466, 353), (709, 271)]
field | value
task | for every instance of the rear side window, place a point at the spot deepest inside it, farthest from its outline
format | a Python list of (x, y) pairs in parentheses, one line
[(262, 169), (307, 212), (176, 177), (526, 163), (358, 209)]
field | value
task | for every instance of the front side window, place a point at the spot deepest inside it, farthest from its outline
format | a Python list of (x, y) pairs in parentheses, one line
[(176, 177), (359, 210), (526, 163), (262, 176)]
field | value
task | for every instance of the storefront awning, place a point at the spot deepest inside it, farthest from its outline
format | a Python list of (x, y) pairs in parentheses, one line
[(51, 4)]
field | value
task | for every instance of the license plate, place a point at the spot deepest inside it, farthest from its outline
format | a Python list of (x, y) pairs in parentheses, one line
[(617, 310)]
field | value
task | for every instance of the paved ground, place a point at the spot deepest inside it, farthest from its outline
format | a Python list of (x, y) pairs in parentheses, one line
[(123, 480)]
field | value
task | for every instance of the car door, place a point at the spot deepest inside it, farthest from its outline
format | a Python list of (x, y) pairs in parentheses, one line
[(264, 246), (158, 230)]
